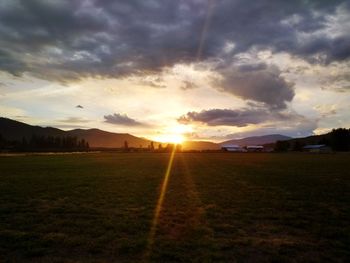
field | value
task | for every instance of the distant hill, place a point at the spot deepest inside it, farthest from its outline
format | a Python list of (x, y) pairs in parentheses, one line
[(200, 145), (99, 138), (257, 140), (15, 130), (337, 139), (314, 139)]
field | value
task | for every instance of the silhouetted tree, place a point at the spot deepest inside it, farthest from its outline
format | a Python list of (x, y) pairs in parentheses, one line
[(298, 146), (45, 143), (151, 147), (178, 147), (169, 147), (2, 142), (340, 139), (324, 141), (24, 144), (282, 146), (126, 146)]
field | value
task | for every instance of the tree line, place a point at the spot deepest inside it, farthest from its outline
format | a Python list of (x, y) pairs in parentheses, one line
[(338, 140), (44, 143), (152, 148)]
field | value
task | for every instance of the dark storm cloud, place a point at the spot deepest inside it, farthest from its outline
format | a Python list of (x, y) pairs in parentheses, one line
[(216, 117), (10, 64), (258, 82), (121, 119), (70, 40), (246, 116)]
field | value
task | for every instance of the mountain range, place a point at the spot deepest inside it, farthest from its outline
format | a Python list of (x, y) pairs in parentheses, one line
[(257, 140), (15, 130)]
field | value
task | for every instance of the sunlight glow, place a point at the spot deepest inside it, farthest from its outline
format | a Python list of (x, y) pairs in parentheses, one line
[(170, 138), (174, 134)]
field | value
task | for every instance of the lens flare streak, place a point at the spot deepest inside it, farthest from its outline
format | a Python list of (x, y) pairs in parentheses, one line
[(159, 205)]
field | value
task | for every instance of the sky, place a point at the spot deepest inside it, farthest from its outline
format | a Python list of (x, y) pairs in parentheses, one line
[(200, 69)]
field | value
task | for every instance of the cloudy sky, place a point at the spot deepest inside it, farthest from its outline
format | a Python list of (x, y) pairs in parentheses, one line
[(204, 69)]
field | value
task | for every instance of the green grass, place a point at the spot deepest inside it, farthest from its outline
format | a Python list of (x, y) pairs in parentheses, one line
[(218, 207)]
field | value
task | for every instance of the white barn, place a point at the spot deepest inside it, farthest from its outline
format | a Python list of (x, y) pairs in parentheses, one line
[(233, 148)]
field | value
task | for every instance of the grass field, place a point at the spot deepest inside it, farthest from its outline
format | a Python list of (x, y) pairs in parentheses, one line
[(217, 207)]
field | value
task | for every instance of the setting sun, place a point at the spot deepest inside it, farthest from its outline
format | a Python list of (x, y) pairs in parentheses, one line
[(174, 134), (170, 138)]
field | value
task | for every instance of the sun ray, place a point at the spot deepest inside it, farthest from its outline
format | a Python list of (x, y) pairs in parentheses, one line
[(151, 236), (205, 29)]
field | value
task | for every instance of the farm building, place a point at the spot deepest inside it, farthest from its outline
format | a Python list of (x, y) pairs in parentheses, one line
[(317, 148), (233, 148), (255, 148)]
